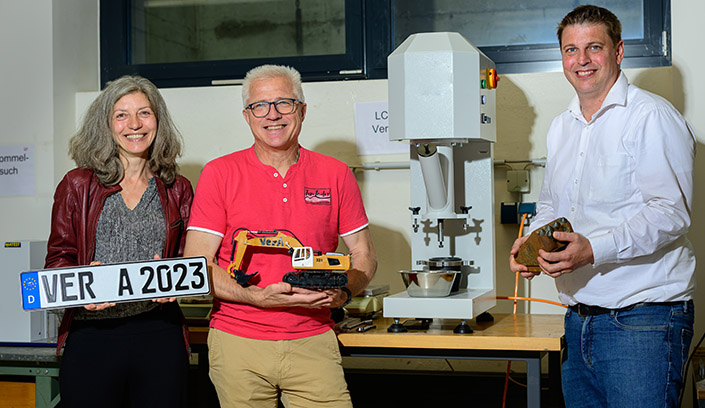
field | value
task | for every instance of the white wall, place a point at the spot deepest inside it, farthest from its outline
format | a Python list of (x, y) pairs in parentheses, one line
[(689, 97), (26, 114), (48, 54), (76, 68)]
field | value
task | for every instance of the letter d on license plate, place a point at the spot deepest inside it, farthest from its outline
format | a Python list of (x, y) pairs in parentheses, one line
[(83, 285)]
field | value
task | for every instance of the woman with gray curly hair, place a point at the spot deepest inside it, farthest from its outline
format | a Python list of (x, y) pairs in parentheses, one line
[(124, 202)]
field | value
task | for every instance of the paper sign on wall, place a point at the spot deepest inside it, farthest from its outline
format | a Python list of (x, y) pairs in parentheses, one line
[(372, 129), (16, 170)]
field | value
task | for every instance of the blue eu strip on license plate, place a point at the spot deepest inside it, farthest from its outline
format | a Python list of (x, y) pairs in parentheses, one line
[(83, 285)]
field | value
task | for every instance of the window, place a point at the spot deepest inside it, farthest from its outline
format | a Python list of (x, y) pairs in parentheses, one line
[(164, 31), (520, 35), (206, 42)]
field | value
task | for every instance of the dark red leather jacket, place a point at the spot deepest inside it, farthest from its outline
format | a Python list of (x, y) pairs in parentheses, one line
[(78, 201)]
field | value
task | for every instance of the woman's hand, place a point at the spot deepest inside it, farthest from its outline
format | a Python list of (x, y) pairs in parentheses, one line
[(93, 307), (162, 300)]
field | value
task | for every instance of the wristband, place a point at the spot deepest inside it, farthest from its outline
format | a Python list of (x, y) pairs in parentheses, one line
[(346, 290)]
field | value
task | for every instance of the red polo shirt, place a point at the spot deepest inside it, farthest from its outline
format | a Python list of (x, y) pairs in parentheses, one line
[(318, 200)]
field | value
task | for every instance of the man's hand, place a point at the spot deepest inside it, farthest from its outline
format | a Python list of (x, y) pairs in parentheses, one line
[(338, 297), (282, 294), (517, 267), (576, 254)]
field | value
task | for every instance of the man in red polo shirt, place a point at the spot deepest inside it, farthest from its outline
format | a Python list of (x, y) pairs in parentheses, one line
[(267, 338)]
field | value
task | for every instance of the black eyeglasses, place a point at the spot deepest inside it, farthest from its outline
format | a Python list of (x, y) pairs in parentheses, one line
[(284, 106)]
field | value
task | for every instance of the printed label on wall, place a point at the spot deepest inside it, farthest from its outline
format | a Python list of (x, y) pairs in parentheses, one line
[(372, 129), (16, 170)]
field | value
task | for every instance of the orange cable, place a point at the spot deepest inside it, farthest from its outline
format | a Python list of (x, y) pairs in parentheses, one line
[(515, 298), (516, 274), (516, 294), (516, 291), (506, 384)]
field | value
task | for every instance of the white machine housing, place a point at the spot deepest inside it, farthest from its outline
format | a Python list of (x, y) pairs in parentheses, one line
[(441, 94), (16, 325)]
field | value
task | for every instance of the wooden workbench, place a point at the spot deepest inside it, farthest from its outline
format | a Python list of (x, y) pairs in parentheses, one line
[(537, 332), (509, 337)]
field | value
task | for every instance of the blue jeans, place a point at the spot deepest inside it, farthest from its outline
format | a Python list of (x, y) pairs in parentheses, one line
[(627, 359)]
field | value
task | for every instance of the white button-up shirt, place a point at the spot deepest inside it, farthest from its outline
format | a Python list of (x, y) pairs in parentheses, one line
[(624, 180)]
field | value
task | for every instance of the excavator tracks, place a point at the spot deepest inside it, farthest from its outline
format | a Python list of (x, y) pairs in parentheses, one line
[(316, 280)]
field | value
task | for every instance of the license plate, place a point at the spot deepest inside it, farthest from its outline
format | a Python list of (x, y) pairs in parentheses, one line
[(83, 285)]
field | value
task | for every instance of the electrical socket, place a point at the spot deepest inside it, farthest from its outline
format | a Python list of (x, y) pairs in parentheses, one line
[(518, 181)]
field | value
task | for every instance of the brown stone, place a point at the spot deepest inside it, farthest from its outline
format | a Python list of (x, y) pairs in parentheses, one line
[(542, 238)]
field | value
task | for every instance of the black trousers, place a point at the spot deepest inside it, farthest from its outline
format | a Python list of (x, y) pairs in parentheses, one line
[(140, 361)]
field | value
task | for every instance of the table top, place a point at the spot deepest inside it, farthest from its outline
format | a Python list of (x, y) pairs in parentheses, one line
[(525, 332), (530, 332), (29, 353)]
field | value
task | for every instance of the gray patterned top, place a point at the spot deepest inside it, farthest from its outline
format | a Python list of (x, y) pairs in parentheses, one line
[(125, 235)]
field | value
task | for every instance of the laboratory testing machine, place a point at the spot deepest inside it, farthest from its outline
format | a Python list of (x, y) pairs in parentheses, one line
[(442, 102)]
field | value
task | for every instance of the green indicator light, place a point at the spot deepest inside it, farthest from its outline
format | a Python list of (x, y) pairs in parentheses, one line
[(483, 83)]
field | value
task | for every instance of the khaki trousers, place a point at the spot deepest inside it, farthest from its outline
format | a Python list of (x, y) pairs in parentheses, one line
[(305, 373)]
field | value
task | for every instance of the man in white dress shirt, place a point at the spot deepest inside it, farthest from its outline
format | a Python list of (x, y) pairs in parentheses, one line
[(620, 169)]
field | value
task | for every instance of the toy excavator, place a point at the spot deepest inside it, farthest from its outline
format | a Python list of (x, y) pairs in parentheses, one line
[(313, 270)]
